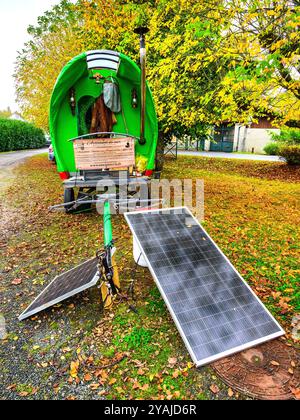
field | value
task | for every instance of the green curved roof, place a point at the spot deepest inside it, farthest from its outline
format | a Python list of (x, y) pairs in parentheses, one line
[(76, 74)]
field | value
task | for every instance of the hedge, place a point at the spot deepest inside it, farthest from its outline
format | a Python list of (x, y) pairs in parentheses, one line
[(288, 136), (291, 154), (272, 149), (19, 135)]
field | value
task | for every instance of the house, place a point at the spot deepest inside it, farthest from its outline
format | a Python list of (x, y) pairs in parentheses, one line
[(250, 138)]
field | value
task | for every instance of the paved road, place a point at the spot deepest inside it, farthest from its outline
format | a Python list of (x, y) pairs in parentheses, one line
[(8, 160), (223, 155)]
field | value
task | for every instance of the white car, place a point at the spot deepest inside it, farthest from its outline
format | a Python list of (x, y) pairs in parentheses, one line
[(51, 155)]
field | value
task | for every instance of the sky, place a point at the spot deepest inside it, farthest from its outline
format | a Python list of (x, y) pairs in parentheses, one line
[(15, 17)]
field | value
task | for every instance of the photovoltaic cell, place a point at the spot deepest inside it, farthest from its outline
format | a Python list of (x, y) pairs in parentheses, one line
[(214, 309), (65, 286)]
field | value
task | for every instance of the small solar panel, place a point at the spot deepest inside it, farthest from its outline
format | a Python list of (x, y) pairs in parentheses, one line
[(216, 312), (65, 286)]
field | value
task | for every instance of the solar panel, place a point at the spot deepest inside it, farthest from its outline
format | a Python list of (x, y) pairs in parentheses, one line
[(65, 286), (216, 312)]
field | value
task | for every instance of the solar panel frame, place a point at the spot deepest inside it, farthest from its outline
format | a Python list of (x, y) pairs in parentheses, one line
[(27, 314), (223, 354)]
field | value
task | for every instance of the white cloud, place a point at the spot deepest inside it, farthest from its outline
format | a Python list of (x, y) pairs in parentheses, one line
[(15, 17)]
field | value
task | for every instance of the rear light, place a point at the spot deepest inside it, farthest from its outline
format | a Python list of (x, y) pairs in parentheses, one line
[(64, 175), (149, 172)]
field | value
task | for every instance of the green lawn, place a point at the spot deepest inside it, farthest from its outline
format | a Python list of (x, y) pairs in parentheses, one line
[(74, 351)]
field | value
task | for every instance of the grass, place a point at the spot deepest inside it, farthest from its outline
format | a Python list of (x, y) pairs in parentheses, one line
[(252, 211)]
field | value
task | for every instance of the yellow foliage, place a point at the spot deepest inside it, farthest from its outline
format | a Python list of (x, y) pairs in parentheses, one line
[(207, 61)]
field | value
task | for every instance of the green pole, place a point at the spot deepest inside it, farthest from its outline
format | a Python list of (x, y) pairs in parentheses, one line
[(108, 235)]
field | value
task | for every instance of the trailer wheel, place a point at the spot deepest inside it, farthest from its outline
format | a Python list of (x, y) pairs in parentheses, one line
[(69, 195)]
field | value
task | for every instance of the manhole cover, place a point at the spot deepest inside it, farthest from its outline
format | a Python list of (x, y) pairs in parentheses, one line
[(268, 372)]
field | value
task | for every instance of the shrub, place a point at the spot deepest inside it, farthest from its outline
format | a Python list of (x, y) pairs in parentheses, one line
[(19, 135), (288, 136), (291, 154), (272, 149)]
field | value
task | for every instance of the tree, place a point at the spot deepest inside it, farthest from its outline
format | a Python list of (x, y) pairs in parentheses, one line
[(263, 42), (5, 113), (208, 62), (54, 41)]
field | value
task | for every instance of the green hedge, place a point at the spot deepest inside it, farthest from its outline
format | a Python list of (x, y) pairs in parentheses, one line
[(272, 149), (19, 135), (288, 136), (291, 154)]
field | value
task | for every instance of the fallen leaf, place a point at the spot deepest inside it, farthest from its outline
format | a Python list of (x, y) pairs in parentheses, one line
[(94, 386), (172, 361), (88, 377), (74, 369), (16, 282), (136, 385), (276, 295), (102, 393), (291, 371), (230, 393), (214, 388), (274, 363), (112, 381), (23, 394), (296, 393)]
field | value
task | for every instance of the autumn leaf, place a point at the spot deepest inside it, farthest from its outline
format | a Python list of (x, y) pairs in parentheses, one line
[(172, 362), (276, 295), (94, 387), (136, 385), (296, 393), (74, 369), (112, 381), (274, 363), (102, 393), (23, 394), (214, 389), (230, 393), (17, 282), (177, 394), (88, 377)]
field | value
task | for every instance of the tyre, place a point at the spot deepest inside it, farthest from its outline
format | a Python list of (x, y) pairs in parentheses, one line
[(69, 196)]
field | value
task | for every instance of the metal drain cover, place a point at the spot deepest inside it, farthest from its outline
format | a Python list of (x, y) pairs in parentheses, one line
[(268, 372)]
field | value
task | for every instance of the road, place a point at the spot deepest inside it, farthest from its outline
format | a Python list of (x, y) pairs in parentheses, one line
[(223, 155), (8, 160)]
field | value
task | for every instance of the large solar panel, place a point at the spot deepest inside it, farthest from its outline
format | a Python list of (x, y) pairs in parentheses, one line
[(216, 312), (65, 286)]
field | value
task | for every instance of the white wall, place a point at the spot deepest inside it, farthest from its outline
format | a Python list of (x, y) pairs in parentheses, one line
[(247, 139)]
